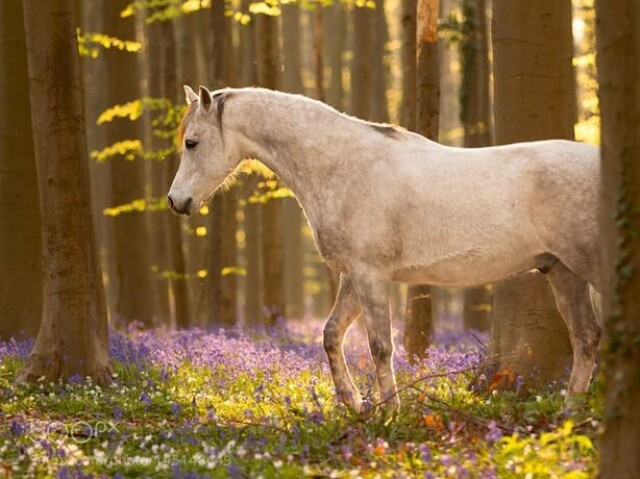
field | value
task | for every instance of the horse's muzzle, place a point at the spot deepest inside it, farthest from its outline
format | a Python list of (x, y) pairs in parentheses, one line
[(184, 207)]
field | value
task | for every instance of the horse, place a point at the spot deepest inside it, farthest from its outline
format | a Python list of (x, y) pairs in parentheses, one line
[(387, 205)]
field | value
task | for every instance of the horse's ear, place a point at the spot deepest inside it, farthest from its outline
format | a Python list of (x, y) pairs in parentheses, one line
[(190, 95), (205, 99)]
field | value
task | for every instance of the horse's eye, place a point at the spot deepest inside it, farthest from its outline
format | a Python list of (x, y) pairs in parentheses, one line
[(191, 144)]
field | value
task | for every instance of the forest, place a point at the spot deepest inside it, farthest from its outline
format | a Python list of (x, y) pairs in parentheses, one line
[(319, 238)]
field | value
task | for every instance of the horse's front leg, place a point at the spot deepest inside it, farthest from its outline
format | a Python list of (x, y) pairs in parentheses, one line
[(373, 293), (345, 310)]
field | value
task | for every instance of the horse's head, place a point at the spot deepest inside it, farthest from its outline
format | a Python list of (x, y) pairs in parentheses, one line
[(204, 164)]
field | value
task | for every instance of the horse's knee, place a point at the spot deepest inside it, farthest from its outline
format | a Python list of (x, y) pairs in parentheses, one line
[(589, 341), (381, 348)]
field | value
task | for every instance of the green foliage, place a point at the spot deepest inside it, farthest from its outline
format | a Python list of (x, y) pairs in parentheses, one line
[(89, 43)]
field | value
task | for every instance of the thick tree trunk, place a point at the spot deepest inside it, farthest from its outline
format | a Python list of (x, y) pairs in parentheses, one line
[(73, 336), (618, 40), (419, 320), (475, 113), (130, 259), (272, 250), (20, 244), (533, 101)]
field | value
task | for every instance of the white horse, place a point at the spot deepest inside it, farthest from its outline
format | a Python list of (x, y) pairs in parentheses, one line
[(387, 205)]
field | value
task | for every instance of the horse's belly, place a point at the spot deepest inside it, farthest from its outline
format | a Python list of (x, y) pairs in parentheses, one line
[(462, 271)]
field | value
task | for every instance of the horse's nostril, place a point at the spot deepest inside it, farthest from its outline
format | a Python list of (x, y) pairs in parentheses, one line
[(170, 200)]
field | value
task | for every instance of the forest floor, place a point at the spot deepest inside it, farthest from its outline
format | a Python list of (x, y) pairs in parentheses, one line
[(197, 404)]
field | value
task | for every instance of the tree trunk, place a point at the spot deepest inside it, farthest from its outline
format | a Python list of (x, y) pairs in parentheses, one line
[(221, 250), (618, 45), (408, 112), (335, 33), (130, 273), (157, 178), (419, 321), (73, 336), (269, 77), (361, 66), (533, 101), (475, 113), (379, 71), (293, 217), (252, 212), (20, 244), (178, 282)]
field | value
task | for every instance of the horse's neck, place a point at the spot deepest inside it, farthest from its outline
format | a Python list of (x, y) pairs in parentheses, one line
[(289, 134)]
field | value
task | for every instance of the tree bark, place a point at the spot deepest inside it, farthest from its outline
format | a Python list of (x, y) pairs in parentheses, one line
[(272, 251), (533, 101), (20, 243), (618, 47), (361, 66), (419, 320), (253, 291), (379, 70), (475, 114), (292, 214), (73, 336), (177, 262)]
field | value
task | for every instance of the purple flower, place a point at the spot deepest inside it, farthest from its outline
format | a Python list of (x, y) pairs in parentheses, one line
[(493, 432), (17, 427), (425, 453)]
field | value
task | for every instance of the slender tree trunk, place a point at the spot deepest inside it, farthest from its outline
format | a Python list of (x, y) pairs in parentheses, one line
[(618, 43), (335, 34), (20, 244), (361, 66), (178, 283), (269, 77), (156, 173), (130, 274), (221, 239), (419, 321), (409, 64), (533, 101), (379, 70), (293, 218), (253, 291), (73, 336), (475, 113)]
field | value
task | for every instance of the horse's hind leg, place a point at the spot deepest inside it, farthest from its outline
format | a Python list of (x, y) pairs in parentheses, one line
[(373, 293), (345, 310), (574, 302)]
